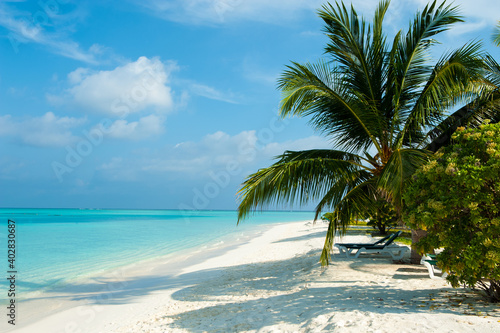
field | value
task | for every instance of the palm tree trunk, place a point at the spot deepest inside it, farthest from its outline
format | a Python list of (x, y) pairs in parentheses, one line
[(416, 235)]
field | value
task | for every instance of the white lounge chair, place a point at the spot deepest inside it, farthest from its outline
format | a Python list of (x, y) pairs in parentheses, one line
[(429, 261)]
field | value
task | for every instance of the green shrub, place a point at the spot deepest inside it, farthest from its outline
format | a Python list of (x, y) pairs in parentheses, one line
[(455, 197), (383, 217)]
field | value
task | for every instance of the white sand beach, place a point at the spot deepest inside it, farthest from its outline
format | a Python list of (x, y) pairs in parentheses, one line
[(271, 283)]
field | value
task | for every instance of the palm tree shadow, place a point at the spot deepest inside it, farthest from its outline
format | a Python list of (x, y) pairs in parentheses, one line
[(251, 297), (265, 293), (297, 308), (304, 237)]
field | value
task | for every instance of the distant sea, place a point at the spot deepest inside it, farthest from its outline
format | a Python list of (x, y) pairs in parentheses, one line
[(54, 246)]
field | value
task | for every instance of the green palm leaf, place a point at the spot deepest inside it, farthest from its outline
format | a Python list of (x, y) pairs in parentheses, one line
[(356, 201), (473, 114), (398, 169), (319, 91), (454, 78), (297, 177)]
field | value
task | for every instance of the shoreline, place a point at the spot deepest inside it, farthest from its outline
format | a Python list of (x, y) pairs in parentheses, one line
[(57, 246), (273, 283), (100, 286)]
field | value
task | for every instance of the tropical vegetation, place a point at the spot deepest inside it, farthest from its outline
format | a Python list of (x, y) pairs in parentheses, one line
[(380, 102), (383, 217), (455, 198)]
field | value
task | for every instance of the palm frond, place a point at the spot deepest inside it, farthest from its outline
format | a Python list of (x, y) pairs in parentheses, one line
[(493, 72), (496, 35), (349, 41), (401, 165), (318, 91), (453, 79), (485, 106), (356, 201), (408, 56), (339, 190), (296, 177), (471, 115), (377, 51), (358, 49)]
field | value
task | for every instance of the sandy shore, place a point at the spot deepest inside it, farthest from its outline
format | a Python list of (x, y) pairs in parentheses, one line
[(271, 283)]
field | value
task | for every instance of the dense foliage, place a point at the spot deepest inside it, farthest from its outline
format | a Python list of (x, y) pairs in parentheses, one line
[(456, 198), (383, 216)]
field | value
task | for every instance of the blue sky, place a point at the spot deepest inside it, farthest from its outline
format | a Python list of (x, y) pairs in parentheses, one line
[(160, 104)]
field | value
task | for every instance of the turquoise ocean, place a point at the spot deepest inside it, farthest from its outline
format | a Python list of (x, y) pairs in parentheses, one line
[(55, 246)]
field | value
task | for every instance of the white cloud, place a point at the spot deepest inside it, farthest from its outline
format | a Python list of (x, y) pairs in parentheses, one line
[(31, 28), (476, 14), (17, 92), (212, 93), (465, 28), (216, 12), (283, 11), (484, 10), (143, 128), (212, 151), (45, 131), (126, 89), (215, 151), (113, 164), (219, 11), (213, 12), (77, 76), (119, 169), (479, 19), (255, 72)]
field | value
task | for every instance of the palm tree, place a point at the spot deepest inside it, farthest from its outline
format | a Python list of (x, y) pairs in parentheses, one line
[(376, 99)]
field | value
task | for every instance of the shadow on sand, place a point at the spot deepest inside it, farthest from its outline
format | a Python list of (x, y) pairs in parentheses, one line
[(268, 293)]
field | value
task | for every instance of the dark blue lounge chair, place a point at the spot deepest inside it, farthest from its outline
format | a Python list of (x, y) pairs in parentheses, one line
[(397, 252)]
